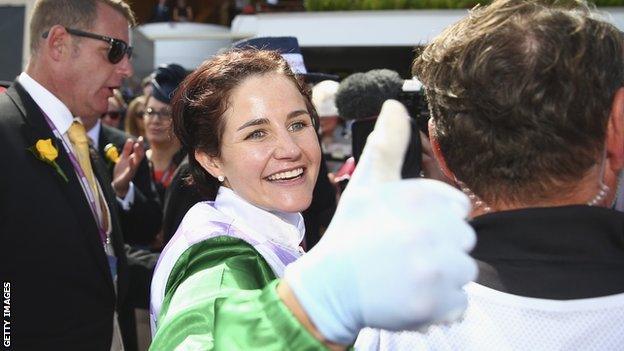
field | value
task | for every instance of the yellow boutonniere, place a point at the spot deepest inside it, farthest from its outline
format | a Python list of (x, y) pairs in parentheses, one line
[(111, 152), (46, 152)]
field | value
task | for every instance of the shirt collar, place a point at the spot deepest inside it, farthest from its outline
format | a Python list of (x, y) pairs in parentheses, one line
[(54, 108), (286, 229), (568, 233), (94, 134), (567, 252)]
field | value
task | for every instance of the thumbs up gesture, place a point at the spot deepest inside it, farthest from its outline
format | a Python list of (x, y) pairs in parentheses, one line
[(395, 254)]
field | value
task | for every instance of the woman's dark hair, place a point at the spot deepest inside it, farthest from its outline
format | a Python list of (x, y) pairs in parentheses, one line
[(202, 99)]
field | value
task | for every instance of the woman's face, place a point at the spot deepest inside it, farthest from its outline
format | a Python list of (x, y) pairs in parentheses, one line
[(270, 153), (112, 117), (157, 122)]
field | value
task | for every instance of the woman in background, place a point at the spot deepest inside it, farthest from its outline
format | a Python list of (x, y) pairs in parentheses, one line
[(165, 153), (116, 110), (134, 117)]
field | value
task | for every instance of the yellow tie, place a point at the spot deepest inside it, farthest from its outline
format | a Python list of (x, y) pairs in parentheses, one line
[(78, 137)]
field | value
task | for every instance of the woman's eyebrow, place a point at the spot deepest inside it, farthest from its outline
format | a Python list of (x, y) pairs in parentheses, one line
[(253, 122), (297, 113), (260, 121)]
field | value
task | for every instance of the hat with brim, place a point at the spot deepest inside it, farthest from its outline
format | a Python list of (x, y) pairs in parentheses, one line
[(289, 48)]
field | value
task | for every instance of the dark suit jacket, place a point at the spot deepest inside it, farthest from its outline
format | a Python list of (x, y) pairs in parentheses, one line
[(142, 222), (62, 294)]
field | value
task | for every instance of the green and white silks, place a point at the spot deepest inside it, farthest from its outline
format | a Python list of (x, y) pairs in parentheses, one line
[(214, 285)]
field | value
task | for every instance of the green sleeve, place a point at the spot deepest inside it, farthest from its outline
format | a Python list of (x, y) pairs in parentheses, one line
[(221, 295)]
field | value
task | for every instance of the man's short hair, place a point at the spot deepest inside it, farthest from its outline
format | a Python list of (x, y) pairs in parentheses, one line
[(520, 92), (79, 14)]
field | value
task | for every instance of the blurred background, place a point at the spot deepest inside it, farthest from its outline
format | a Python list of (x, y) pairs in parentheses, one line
[(336, 36)]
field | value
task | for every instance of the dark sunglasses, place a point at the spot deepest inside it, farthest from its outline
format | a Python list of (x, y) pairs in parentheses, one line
[(114, 115), (118, 48)]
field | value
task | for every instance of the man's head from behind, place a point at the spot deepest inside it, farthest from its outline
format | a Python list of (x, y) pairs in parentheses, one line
[(80, 50), (520, 93)]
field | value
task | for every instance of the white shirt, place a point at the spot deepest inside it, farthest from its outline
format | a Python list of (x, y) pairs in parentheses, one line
[(282, 228), (94, 134), (54, 108), (500, 321)]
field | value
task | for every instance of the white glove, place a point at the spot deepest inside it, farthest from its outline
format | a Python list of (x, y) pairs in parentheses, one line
[(394, 256)]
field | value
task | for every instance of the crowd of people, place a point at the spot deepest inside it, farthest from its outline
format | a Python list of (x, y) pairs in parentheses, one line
[(179, 11), (219, 11), (251, 204)]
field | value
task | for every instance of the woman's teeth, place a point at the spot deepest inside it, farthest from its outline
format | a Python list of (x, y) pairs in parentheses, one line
[(286, 175)]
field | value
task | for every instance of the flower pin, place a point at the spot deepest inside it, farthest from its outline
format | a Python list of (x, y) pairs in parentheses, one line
[(111, 152), (46, 152)]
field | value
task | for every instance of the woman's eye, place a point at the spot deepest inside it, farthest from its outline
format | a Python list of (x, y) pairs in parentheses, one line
[(297, 126), (256, 134)]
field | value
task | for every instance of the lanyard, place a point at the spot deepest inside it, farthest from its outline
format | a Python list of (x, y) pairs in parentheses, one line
[(83, 179), (167, 175)]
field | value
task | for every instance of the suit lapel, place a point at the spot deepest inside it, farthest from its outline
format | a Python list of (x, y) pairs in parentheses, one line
[(102, 140), (37, 128)]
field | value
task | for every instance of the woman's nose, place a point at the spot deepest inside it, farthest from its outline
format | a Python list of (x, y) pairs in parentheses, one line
[(287, 147)]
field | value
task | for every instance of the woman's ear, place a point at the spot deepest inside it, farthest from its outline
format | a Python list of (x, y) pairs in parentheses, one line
[(211, 164), (615, 132), (437, 153)]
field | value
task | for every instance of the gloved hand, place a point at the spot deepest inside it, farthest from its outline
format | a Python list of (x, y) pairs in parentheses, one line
[(394, 256)]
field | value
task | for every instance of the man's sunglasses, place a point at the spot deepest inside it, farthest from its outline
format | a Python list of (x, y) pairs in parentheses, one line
[(118, 48)]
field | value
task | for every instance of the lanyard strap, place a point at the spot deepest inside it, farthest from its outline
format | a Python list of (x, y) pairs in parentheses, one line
[(83, 179), (166, 176)]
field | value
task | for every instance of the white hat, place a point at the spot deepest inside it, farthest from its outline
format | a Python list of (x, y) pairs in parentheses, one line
[(324, 98)]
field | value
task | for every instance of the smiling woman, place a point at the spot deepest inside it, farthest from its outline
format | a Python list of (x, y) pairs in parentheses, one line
[(248, 126), (270, 153)]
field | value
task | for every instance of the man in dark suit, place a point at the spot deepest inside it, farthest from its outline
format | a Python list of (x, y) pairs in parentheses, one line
[(141, 217), (60, 237)]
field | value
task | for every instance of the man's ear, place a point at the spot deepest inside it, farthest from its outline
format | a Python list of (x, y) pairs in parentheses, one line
[(437, 153), (211, 164), (57, 43), (615, 132)]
